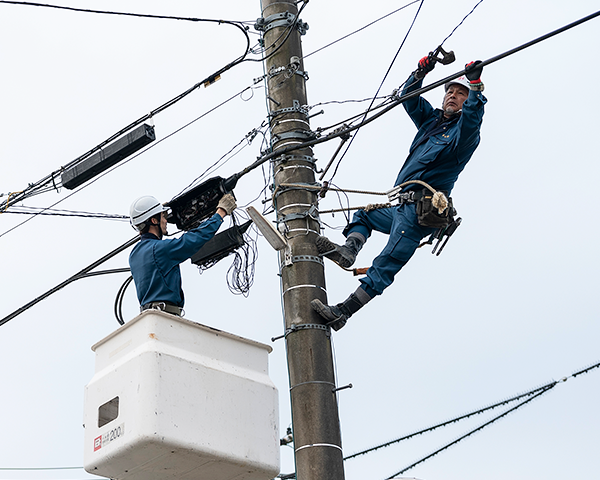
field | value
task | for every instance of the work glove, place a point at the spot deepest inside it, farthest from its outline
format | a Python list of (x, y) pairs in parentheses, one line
[(425, 65), (473, 72), (227, 203)]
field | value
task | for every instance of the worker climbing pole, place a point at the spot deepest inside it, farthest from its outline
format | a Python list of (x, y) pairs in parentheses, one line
[(315, 419)]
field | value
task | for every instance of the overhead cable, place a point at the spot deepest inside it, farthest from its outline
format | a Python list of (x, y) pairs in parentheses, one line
[(64, 213), (44, 182), (379, 88), (524, 397), (95, 179), (361, 28), (479, 411), (105, 12), (86, 272), (471, 432), (461, 22)]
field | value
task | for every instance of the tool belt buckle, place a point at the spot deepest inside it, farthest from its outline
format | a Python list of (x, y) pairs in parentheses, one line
[(402, 197)]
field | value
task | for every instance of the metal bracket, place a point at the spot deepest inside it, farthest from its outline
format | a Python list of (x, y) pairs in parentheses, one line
[(302, 74), (307, 258), (295, 134), (307, 326), (286, 158), (301, 258), (300, 215), (304, 326), (297, 108), (284, 19)]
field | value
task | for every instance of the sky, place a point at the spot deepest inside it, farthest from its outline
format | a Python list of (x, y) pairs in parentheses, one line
[(510, 305)]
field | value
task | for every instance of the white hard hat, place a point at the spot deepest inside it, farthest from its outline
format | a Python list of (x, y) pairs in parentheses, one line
[(462, 80), (144, 208)]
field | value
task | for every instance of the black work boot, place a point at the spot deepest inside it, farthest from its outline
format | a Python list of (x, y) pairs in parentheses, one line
[(343, 255), (337, 315)]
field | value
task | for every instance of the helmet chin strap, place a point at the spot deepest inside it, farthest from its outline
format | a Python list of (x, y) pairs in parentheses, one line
[(157, 225)]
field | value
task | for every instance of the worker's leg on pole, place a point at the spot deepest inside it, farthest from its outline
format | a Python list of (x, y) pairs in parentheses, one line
[(357, 232), (405, 236)]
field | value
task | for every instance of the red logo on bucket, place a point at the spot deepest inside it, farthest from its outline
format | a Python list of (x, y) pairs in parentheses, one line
[(97, 443)]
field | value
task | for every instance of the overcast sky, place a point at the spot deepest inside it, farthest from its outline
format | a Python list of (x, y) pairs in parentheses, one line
[(510, 305)]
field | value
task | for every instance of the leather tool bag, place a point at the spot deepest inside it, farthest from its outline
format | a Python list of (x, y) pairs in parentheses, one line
[(428, 215)]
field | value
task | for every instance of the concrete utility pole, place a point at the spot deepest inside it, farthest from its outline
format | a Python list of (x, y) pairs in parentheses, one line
[(315, 420)]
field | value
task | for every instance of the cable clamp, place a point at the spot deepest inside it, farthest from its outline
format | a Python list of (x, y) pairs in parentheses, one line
[(312, 212), (303, 326), (307, 326), (284, 19), (286, 158), (295, 135), (297, 108), (307, 258)]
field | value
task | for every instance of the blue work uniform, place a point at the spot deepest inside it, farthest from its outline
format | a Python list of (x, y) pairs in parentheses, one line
[(155, 263), (439, 152)]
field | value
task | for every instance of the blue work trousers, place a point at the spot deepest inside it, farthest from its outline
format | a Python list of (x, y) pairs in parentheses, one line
[(401, 224)]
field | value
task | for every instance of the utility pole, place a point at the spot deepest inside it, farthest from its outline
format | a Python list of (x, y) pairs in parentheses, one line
[(315, 418)]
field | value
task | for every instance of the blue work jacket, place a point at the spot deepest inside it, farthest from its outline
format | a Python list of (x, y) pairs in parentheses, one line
[(155, 263), (441, 148)]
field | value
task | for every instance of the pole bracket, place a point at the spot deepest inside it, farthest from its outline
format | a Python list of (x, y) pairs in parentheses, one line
[(284, 19), (296, 108), (313, 213), (304, 326), (286, 158)]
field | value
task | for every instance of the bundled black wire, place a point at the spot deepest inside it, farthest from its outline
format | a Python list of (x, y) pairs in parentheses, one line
[(240, 276)]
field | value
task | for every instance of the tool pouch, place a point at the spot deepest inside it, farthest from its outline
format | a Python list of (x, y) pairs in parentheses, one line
[(428, 215)]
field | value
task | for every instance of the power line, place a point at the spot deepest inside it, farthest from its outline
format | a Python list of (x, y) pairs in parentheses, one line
[(45, 182), (86, 272), (532, 394), (362, 28), (128, 14), (379, 88), (90, 182), (461, 22), (468, 434), (64, 213)]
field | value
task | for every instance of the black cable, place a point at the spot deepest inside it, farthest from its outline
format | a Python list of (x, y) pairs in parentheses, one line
[(461, 22), (81, 274), (119, 300), (361, 29), (98, 177), (64, 213), (378, 90), (471, 432), (454, 420), (207, 81), (105, 12)]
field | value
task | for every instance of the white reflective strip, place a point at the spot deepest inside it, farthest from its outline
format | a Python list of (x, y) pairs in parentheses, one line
[(303, 286), (319, 445)]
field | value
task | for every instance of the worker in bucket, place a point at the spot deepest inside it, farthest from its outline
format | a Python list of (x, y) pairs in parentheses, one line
[(445, 141), (154, 262)]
